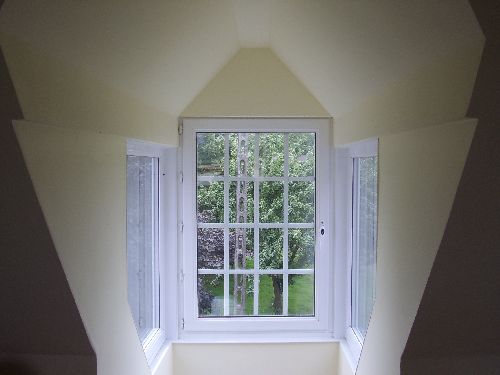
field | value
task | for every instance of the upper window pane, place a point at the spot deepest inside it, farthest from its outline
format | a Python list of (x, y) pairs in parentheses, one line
[(302, 154), (364, 241), (241, 154), (210, 154), (271, 154), (142, 213)]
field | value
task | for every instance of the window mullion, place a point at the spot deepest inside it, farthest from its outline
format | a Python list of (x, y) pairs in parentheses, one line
[(285, 223), (226, 224), (256, 187)]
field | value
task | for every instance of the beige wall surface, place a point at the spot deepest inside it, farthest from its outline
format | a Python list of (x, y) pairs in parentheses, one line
[(79, 178), (344, 365), (251, 359), (435, 94), (165, 362), (53, 92), (255, 83), (418, 175)]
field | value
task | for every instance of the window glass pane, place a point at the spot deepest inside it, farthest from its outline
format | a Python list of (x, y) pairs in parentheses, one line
[(241, 250), (271, 295), (211, 295), (301, 248), (241, 294), (302, 154), (210, 154), (241, 154), (271, 151), (142, 209), (210, 248), (301, 202), (210, 202), (271, 249), (241, 202), (300, 295), (271, 202), (364, 241)]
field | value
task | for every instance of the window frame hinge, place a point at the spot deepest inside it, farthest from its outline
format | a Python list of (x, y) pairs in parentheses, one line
[(180, 128), (182, 323), (181, 177), (181, 226)]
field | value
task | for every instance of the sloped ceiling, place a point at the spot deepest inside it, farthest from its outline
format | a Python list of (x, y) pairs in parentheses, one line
[(164, 52)]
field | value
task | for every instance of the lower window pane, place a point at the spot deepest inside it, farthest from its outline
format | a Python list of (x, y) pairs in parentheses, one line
[(271, 295), (240, 295), (301, 248), (300, 295), (211, 295)]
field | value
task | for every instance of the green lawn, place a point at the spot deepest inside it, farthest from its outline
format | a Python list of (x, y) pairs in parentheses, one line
[(300, 294)]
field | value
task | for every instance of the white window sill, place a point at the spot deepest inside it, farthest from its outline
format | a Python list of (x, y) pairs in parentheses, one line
[(160, 356), (244, 339)]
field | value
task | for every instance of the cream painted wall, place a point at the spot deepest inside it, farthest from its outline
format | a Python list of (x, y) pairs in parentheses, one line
[(254, 83), (251, 359), (418, 176), (432, 95), (165, 362), (79, 178), (53, 92), (345, 367)]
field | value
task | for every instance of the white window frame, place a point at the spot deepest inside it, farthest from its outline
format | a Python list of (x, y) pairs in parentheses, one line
[(167, 244), (344, 175), (318, 326)]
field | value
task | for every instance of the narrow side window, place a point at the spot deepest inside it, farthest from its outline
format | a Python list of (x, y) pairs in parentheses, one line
[(142, 244), (364, 239)]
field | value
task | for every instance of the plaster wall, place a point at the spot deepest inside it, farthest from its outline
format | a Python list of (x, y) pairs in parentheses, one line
[(79, 178), (434, 94), (54, 92), (419, 171), (263, 359)]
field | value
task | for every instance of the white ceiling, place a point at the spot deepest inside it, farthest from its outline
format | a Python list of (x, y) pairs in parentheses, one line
[(164, 52)]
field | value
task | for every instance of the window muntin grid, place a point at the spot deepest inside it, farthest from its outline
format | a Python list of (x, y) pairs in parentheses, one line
[(291, 149)]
